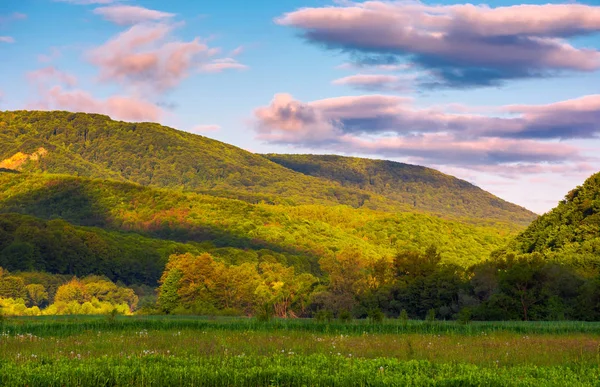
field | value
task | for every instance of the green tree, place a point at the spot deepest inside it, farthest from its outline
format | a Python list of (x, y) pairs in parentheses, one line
[(37, 294), (12, 287), (168, 298)]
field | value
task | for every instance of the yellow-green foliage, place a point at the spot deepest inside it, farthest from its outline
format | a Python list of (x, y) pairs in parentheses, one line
[(292, 235), (150, 154), (12, 307), (200, 284), (93, 306), (91, 295)]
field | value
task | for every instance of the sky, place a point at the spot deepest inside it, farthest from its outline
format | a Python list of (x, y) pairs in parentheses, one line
[(503, 94)]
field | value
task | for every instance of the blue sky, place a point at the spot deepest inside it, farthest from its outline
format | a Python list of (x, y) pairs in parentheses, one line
[(300, 76)]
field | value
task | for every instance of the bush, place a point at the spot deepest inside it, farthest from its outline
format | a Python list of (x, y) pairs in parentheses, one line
[(345, 316), (403, 317), (264, 313), (376, 316), (430, 316), (465, 316), (324, 315)]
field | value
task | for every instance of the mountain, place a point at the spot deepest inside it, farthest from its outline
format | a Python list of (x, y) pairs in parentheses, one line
[(95, 146), (422, 188), (138, 218), (570, 232)]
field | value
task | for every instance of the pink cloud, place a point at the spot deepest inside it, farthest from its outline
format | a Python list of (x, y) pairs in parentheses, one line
[(147, 59), (118, 107), (385, 114), (12, 17), (219, 65), (462, 45), (392, 127), (128, 15), (237, 51), (7, 39), (376, 82), (52, 56), (46, 75), (286, 120), (88, 2)]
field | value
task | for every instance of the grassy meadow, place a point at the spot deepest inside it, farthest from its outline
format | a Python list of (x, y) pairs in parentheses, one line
[(154, 351)]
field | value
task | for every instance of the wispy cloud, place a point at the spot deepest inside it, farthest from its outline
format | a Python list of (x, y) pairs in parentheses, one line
[(7, 39), (377, 82), (87, 2), (129, 15)]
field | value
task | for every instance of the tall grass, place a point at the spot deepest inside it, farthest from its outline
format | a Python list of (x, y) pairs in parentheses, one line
[(317, 370), (178, 351), (68, 325)]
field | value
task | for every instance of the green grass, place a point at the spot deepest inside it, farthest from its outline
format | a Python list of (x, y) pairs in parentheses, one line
[(67, 325), (154, 351)]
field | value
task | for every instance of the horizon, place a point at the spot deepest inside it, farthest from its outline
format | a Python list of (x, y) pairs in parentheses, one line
[(492, 94)]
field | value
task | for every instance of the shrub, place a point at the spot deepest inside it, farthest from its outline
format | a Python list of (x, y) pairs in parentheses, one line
[(376, 316), (324, 315), (345, 316), (430, 316), (403, 317)]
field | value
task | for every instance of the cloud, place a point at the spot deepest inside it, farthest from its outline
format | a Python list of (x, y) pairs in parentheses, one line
[(51, 94), (237, 51), (87, 2), (376, 82), (7, 39), (12, 17), (576, 118), (147, 59), (460, 45), (50, 74), (380, 67), (54, 54), (219, 65), (448, 150), (391, 126), (128, 15), (286, 120), (384, 114), (119, 107)]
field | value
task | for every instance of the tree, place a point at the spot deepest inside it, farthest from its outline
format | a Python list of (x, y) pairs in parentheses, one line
[(168, 298), (74, 290), (12, 287), (37, 294)]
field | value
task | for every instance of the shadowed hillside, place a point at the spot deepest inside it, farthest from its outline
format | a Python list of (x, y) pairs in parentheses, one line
[(420, 187), (293, 235)]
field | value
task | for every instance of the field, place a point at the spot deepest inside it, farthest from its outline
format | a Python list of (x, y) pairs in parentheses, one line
[(153, 351)]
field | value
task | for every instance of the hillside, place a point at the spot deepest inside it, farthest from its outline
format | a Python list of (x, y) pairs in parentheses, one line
[(95, 146), (571, 231), (238, 231), (422, 188)]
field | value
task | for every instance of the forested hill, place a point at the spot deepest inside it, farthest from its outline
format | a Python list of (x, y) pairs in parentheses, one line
[(420, 187), (73, 225), (571, 231), (93, 145)]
